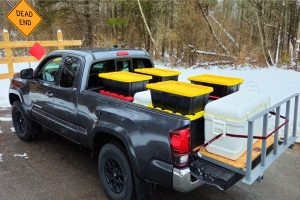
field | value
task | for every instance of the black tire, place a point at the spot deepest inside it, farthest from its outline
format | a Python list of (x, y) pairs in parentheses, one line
[(24, 127), (115, 173)]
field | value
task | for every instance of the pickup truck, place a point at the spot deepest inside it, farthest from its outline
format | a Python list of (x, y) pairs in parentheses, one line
[(132, 142)]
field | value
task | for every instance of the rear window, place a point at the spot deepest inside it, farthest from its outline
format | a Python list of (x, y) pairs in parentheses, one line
[(141, 63), (103, 66), (126, 64), (100, 67)]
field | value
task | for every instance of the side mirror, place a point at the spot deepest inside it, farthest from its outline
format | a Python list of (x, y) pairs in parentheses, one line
[(26, 73)]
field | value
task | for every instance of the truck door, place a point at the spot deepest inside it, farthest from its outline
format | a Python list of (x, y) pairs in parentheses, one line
[(65, 97), (41, 89)]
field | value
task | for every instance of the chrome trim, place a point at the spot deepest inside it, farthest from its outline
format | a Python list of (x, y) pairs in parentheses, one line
[(182, 180)]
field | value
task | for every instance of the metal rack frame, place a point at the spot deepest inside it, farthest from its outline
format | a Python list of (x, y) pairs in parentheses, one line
[(251, 175)]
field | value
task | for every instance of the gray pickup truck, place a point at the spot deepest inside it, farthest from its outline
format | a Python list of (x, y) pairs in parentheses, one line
[(132, 141)]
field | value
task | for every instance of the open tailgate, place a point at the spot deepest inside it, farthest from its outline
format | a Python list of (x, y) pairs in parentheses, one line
[(223, 173)]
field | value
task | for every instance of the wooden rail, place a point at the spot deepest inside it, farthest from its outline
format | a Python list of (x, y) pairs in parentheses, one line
[(8, 45)]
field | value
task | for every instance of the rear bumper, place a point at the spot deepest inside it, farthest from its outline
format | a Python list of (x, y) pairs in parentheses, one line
[(182, 180)]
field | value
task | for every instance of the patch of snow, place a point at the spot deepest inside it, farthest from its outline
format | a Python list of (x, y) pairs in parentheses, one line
[(5, 119), (24, 155), (13, 129), (4, 100), (1, 131), (1, 157)]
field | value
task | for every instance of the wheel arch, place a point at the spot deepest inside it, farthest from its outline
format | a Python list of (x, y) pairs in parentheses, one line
[(14, 95), (102, 136)]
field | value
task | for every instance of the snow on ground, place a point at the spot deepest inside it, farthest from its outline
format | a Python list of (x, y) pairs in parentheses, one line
[(4, 84), (5, 119), (12, 129), (24, 155)]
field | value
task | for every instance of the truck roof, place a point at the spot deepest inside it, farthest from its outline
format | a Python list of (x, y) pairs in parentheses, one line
[(100, 53)]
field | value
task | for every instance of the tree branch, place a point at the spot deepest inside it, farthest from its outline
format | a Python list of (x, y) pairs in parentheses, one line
[(210, 53), (145, 22), (211, 29), (229, 36)]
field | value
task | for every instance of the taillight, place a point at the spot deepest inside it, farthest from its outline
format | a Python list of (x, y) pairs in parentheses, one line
[(122, 53), (180, 141)]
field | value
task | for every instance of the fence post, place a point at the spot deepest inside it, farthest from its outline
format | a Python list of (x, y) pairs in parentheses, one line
[(60, 39), (8, 52)]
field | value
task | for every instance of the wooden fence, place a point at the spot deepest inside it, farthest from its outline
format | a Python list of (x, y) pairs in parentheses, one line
[(8, 45)]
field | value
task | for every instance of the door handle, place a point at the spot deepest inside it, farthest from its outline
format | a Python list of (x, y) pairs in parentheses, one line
[(49, 94)]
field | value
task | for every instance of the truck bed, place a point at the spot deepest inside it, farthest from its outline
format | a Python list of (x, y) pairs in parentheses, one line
[(240, 163)]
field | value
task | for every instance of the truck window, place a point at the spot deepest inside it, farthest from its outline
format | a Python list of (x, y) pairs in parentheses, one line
[(141, 63), (124, 65), (69, 70), (100, 67), (49, 71)]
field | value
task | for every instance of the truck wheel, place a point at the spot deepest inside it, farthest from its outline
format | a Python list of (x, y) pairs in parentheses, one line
[(115, 173), (24, 127)]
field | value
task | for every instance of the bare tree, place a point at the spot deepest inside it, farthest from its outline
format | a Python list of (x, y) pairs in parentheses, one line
[(145, 22), (211, 29)]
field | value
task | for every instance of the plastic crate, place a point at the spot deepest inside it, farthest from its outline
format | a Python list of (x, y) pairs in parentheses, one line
[(196, 127), (197, 130), (124, 83), (184, 98), (159, 75), (223, 85)]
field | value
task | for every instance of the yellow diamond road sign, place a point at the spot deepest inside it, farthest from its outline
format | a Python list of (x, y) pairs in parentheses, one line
[(24, 17)]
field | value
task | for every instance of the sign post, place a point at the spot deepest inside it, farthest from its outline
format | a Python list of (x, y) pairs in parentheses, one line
[(24, 17)]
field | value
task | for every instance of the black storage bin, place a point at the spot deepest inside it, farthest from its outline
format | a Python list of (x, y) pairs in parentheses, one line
[(179, 97), (219, 90), (156, 79), (197, 132), (158, 74), (223, 85), (124, 88), (124, 83), (177, 103)]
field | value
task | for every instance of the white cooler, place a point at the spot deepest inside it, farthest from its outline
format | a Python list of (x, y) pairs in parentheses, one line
[(229, 115), (143, 98)]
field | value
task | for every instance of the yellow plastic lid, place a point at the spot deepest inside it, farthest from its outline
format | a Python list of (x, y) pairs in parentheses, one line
[(180, 88), (158, 72), (216, 79), (127, 77), (193, 117)]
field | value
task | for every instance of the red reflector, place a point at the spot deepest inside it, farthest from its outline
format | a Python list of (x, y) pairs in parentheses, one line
[(118, 96), (180, 141), (122, 53)]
